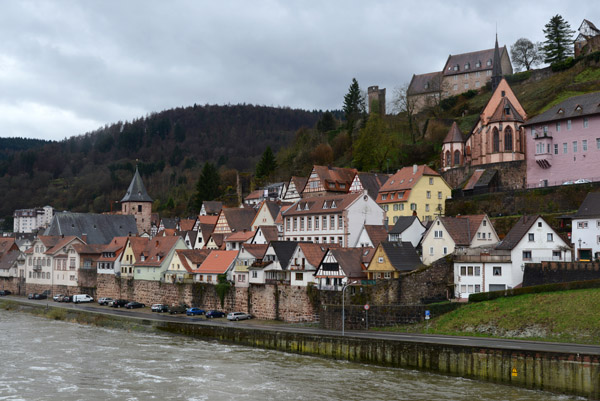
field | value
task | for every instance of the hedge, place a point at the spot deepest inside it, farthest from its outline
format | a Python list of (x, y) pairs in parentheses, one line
[(572, 285)]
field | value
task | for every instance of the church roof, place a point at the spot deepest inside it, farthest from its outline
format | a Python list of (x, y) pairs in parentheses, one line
[(471, 59), (136, 191), (501, 114), (99, 228), (454, 135)]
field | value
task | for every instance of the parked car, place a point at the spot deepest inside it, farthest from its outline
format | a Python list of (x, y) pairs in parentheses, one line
[(57, 296), (67, 298), (4, 292), (214, 313), (40, 296), (30, 296), (134, 305), (104, 301), (568, 183), (238, 316), (583, 181), (178, 309), (119, 303), (195, 311), (159, 308), (82, 298)]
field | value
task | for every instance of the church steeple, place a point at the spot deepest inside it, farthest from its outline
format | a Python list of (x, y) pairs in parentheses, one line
[(496, 67), (136, 191), (138, 203)]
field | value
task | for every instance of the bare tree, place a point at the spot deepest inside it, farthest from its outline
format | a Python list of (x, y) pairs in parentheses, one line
[(403, 103), (526, 54)]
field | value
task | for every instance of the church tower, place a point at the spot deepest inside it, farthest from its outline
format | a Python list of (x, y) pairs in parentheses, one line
[(138, 203), (496, 67)]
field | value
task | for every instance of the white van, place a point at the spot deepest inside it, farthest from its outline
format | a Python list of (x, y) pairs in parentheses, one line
[(82, 298)]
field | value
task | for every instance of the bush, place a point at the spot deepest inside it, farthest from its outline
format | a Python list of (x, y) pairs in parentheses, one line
[(471, 93), (518, 77), (448, 103), (536, 289), (563, 65)]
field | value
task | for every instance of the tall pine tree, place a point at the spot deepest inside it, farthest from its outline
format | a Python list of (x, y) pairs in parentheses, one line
[(557, 46), (208, 185), (267, 164), (354, 105)]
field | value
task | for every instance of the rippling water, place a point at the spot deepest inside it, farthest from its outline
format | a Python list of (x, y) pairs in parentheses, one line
[(42, 359)]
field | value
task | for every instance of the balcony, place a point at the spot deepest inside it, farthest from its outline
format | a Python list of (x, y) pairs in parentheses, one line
[(37, 267)]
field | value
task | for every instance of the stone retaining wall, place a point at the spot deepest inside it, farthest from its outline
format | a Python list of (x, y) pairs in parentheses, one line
[(559, 272)]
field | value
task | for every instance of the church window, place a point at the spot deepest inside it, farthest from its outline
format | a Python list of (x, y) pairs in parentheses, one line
[(508, 139), (496, 141), (456, 157)]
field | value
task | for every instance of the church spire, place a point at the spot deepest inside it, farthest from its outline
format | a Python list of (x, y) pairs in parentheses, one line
[(496, 67), (136, 191)]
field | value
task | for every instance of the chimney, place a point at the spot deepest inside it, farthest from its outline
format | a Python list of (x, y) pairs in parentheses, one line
[(84, 237), (415, 167)]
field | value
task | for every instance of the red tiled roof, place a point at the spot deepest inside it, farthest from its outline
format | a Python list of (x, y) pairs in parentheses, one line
[(217, 262), (313, 252), (157, 249), (242, 236), (322, 204), (195, 256), (376, 233), (187, 224), (462, 229)]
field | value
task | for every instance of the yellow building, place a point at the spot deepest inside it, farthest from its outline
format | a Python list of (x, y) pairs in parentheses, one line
[(391, 259), (414, 191)]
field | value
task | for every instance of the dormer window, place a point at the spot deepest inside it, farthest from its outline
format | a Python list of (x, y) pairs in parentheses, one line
[(456, 67), (391, 196), (489, 62), (561, 111), (299, 207), (578, 108), (467, 66), (427, 85), (333, 205), (306, 206), (384, 197), (478, 64), (402, 181), (325, 205), (507, 110)]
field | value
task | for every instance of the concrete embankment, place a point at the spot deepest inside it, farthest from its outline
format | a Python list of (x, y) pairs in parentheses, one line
[(560, 372)]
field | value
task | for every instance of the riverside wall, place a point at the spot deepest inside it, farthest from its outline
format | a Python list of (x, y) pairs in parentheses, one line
[(568, 373)]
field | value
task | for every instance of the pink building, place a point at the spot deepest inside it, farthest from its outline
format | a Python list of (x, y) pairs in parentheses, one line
[(563, 143)]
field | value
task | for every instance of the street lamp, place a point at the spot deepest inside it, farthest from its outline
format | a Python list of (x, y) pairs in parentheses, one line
[(343, 303)]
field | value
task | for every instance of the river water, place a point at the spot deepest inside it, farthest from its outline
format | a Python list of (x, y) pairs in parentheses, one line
[(42, 359)]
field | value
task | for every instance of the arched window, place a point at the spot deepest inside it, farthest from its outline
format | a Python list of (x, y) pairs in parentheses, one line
[(448, 158), (508, 139), (495, 141), (457, 158)]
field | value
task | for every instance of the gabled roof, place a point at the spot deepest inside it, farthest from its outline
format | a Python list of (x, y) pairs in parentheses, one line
[(518, 231), (372, 182), (6, 244), (208, 219), (471, 58), (136, 191), (240, 236), (425, 83), (273, 208), (137, 245), (239, 219), (588, 105), (462, 229), (217, 262), (257, 194), (406, 178), (269, 232), (284, 208), (322, 204), (336, 179), (195, 256), (590, 207), (212, 207), (157, 249), (501, 115), (313, 252), (8, 259), (256, 250), (454, 135), (401, 255), (350, 261), (187, 224), (377, 233), (299, 183), (61, 243), (284, 251), (169, 223), (403, 223), (218, 239), (99, 228)]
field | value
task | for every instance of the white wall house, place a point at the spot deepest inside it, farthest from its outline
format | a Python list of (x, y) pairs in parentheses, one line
[(585, 228), (447, 234), (499, 267), (248, 255), (30, 220), (305, 262), (407, 229), (331, 219)]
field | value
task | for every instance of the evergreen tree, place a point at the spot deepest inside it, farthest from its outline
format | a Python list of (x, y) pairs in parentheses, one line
[(354, 105), (373, 145), (208, 185), (326, 123), (267, 164), (557, 46)]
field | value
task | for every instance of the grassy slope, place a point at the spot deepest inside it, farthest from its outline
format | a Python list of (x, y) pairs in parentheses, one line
[(566, 316)]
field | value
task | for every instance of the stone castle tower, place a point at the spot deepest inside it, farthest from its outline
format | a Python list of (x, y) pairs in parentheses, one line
[(138, 203), (378, 95)]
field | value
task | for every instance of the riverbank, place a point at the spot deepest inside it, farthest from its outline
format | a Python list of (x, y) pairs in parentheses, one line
[(521, 364)]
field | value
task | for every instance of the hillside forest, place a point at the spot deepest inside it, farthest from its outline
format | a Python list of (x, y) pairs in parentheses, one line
[(91, 172)]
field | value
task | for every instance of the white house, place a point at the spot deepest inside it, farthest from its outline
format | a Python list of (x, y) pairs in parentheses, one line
[(110, 260), (370, 236), (331, 219), (585, 228), (341, 266), (499, 267), (407, 229), (249, 255), (304, 263), (449, 233), (215, 264)]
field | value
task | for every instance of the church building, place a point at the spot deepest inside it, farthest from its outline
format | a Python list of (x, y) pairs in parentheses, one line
[(138, 203)]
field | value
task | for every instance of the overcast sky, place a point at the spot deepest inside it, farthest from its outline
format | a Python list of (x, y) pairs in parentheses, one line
[(70, 67)]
